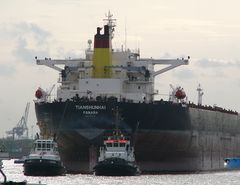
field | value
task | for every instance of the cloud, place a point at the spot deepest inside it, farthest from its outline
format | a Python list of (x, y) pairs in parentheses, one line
[(185, 74), (213, 68), (63, 53), (25, 54), (31, 41), (27, 29), (27, 40), (23, 29), (6, 70), (212, 63)]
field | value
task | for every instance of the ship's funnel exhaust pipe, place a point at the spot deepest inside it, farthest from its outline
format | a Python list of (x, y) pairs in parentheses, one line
[(98, 30), (106, 30), (102, 55)]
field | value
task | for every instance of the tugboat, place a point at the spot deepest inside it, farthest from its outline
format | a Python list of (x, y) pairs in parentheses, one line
[(44, 159), (4, 155), (116, 156)]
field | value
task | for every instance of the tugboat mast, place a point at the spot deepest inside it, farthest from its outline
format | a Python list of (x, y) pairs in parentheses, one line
[(117, 122)]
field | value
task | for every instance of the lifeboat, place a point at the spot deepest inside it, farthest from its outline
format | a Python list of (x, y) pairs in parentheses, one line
[(39, 93), (180, 94)]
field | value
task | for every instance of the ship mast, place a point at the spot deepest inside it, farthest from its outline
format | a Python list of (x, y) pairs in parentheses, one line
[(111, 23), (200, 94)]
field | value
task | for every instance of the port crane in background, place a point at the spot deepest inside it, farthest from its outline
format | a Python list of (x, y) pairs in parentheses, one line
[(21, 129)]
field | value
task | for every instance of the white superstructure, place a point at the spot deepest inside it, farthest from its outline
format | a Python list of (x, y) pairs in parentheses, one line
[(132, 78), (44, 149), (117, 148)]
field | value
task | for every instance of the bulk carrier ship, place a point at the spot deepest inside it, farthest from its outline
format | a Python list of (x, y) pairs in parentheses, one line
[(168, 136)]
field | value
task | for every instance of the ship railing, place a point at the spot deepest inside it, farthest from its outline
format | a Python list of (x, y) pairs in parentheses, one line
[(193, 105), (48, 99), (135, 80), (212, 108), (83, 97)]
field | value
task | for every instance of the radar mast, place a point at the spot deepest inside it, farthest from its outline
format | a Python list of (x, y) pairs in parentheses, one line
[(111, 23)]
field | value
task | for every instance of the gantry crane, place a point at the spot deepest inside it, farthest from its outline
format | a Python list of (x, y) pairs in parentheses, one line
[(21, 129)]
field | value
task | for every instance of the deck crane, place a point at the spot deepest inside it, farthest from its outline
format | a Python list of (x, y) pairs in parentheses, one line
[(21, 129)]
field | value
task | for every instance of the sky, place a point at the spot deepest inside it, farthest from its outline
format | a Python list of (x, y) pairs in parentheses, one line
[(207, 31)]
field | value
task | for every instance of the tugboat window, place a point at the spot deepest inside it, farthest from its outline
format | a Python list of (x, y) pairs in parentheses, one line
[(109, 144), (39, 146), (122, 144), (54, 149), (43, 146), (115, 144), (48, 146), (34, 146)]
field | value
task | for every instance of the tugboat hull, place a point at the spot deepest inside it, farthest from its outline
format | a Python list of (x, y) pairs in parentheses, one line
[(116, 167), (42, 167)]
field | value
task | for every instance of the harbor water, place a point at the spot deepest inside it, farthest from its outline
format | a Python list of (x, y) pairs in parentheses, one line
[(14, 172)]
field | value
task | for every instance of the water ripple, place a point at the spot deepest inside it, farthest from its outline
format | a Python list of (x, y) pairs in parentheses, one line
[(14, 172)]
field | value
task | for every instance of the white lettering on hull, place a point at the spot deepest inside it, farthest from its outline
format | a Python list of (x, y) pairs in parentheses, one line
[(91, 107), (90, 112)]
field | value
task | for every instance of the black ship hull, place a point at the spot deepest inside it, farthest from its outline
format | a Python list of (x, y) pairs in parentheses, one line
[(43, 167), (167, 137), (115, 167)]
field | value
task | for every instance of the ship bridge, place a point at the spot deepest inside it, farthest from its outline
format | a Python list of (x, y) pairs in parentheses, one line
[(133, 80)]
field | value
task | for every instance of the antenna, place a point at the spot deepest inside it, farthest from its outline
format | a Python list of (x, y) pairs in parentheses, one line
[(89, 44), (117, 120), (125, 42)]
